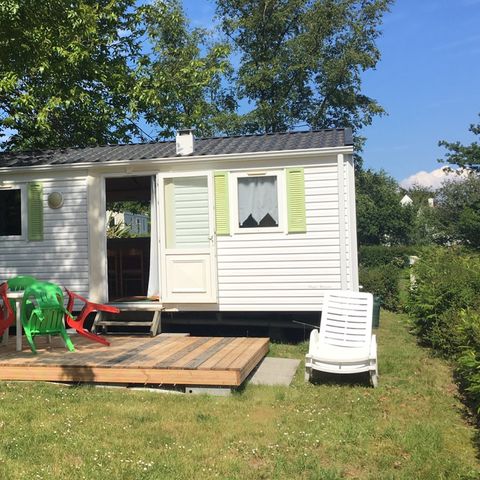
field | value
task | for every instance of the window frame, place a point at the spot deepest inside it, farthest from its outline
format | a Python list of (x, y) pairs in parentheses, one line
[(281, 201), (23, 212)]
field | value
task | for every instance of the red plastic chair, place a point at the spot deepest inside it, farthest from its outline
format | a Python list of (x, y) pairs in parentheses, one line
[(88, 307), (7, 315)]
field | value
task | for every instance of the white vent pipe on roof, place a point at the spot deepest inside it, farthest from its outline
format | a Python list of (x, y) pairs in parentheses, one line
[(185, 142)]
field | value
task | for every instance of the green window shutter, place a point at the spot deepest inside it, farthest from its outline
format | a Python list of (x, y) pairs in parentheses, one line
[(222, 214), (35, 211), (297, 222)]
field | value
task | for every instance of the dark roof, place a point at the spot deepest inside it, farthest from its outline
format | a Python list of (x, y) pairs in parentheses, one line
[(206, 146)]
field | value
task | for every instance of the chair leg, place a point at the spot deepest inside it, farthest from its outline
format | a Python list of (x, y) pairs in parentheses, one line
[(374, 377), (156, 323), (98, 318), (30, 341), (68, 342), (94, 337)]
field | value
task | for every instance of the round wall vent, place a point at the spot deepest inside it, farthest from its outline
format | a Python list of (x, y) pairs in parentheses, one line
[(55, 200)]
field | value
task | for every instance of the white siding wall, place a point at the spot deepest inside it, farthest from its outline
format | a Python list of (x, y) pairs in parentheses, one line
[(256, 271), (290, 272), (62, 256)]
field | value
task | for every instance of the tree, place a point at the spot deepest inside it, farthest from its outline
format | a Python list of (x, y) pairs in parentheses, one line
[(301, 61), (464, 156), (132, 206), (381, 219), (424, 228), (419, 195), (93, 72), (179, 80), (65, 73), (89, 72), (458, 212)]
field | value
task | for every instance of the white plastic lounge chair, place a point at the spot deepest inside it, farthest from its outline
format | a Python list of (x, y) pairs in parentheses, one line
[(344, 343)]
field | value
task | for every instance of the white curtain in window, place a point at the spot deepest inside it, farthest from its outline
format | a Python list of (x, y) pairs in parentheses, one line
[(257, 196), (153, 276)]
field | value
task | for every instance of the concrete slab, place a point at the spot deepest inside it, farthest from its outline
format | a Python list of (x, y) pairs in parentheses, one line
[(219, 392), (275, 371)]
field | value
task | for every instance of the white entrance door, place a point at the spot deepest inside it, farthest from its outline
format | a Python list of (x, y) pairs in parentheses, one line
[(188, 263)]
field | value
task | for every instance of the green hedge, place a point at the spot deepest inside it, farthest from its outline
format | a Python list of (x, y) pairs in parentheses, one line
[(384, 282), (379, 255), (445, 308), (380, 271)]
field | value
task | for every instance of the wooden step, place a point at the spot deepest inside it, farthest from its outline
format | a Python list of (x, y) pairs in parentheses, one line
[(120, 323), (103, 321)]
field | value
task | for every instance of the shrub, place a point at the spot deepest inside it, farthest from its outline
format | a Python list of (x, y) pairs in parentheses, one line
[(446, 282), (380, 270), (468, 375), (445, 308), (384, 282), (378, 255)]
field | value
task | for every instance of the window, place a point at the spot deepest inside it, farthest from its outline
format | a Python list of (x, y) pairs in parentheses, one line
[(10, 212), (257, 202)]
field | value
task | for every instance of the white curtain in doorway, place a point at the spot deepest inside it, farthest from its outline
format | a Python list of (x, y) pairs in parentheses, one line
[(153, 276)]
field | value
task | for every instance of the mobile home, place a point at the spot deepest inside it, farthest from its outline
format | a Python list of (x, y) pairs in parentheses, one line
[(246, 223)]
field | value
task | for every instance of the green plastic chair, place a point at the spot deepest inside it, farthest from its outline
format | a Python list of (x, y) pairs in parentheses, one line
[(20, 282), (43, 313)]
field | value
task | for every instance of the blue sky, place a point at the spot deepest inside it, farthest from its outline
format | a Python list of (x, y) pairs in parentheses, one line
[(428, 80)]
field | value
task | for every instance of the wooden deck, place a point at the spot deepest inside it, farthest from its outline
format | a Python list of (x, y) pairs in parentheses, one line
[(160, 360)]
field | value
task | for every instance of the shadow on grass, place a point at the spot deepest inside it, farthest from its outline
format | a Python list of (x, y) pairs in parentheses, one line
[(468, 412), (350, 380)]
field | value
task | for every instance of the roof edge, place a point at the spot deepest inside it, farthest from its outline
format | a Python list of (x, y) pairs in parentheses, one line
[(310, 152), (347, 138)]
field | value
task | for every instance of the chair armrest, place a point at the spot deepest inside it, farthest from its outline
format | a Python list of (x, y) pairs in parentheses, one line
[(91, 306)]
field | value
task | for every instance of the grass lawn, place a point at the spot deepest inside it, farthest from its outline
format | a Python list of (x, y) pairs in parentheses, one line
[(411, 427)]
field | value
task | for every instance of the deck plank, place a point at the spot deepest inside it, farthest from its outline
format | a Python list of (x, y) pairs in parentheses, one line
[(200, 357), (133, 352), (242, 360), (215, 361), (178, 344), (169, 361), (233, 355), (147, 356)]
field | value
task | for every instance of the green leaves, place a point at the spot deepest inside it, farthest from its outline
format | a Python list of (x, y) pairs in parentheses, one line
[(179, 83), (381, 219), (82, 73), (447, 281), (300, 61), (445, 308), (65, 73), (465, 156), (458, 212), (95, 72)]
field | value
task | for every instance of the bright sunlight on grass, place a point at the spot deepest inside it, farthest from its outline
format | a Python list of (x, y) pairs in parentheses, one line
[(411, 427)]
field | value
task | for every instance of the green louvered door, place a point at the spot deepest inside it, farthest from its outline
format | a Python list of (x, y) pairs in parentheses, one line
[(188, 259)]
